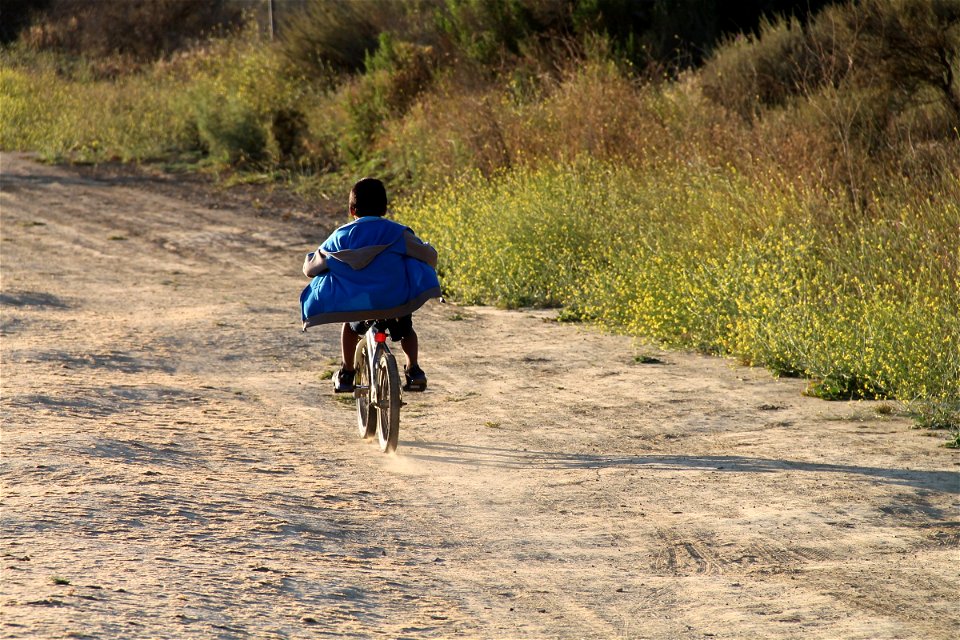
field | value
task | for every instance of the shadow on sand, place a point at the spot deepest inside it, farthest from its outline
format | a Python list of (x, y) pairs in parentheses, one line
[(475, 456)]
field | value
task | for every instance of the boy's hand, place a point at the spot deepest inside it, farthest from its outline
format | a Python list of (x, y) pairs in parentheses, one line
[(314, 264)]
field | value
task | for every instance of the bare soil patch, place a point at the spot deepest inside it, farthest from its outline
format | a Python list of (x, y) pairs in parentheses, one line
[(174, 464)]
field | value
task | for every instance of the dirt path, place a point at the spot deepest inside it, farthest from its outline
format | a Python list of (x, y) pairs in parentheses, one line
[(173, 460)]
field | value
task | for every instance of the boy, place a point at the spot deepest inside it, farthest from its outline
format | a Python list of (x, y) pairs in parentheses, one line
[(371, 268)]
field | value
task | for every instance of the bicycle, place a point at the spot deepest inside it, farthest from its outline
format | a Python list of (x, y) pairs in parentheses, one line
[(377, 389)]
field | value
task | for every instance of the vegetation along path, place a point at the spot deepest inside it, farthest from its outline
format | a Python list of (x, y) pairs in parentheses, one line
[(174, 465)]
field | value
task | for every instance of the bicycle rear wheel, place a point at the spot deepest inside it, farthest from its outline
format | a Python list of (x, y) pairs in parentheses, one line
[(387, 379), (366, 412)]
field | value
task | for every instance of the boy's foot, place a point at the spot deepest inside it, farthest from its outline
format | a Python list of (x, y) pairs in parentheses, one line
[(343, 381), (416, 379)]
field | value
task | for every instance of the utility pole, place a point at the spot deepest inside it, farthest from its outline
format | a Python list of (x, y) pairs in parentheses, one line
[(270, 18)]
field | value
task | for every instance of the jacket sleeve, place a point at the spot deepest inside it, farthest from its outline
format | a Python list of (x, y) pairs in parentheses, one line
[(314, 264), (417, 248)]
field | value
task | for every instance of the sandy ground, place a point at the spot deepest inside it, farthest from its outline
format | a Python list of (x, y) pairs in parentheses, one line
[(175, 466)]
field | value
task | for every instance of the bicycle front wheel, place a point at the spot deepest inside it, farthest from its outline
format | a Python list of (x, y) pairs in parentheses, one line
[(387, 378), (366, 412)]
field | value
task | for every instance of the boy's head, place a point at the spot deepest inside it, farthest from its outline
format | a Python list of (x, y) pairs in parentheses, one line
[(368, 198)]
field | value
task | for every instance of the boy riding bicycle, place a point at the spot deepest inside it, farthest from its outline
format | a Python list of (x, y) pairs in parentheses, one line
[(371, 268)]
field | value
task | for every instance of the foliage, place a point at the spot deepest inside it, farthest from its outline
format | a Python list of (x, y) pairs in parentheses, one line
[(229, 130), (396, 74), (17, 15), (903, 47), (144, 30), (793, 204), (84, 119), (751, 72), (915, 45), (327, 38), (715, 261), (483, 30), (243, 102), (954, 441), (869, 88), (229, 100)]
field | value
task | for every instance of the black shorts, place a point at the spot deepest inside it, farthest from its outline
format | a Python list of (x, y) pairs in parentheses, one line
[(398, 328)]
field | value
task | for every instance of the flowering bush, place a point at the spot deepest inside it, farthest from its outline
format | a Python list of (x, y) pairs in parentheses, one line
[(866, 308)]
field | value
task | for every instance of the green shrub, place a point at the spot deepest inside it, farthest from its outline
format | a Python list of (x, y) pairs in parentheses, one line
[(901, 48), (330, 38), (144, 30), (244, 103), (289, 129), (230, 130), (954, 441), (861, 93), (396, 74), (483, 30), (914, 46), (750, 72)]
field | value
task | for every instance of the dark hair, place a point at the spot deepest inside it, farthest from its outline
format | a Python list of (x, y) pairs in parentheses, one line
[(368, 198)]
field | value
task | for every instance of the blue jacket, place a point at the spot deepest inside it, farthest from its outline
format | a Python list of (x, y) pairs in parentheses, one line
[(369, 269)]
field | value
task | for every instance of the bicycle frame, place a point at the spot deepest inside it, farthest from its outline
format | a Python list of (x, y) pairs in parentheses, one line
[(377, 389), (376, 340)]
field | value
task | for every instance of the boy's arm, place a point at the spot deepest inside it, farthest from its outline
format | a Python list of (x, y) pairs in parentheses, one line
[(314, 264), (417, 248)]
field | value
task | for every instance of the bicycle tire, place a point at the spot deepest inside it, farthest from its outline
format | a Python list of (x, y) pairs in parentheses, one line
[(366, 412), (387, 379)]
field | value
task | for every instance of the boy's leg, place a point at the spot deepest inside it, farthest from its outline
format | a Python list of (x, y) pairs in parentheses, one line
[(343, 380), (348, 346), (411, 348), (415, 377)]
